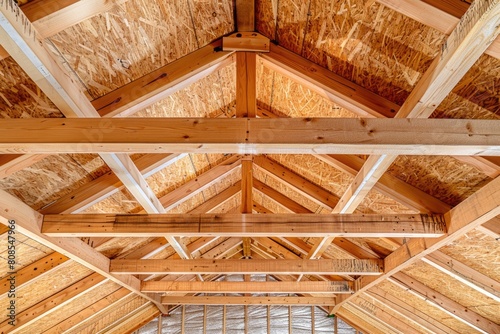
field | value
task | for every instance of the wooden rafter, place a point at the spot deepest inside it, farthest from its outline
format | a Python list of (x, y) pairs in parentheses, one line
[(218, 199), (247, 287), (281, 199), (360, 225)]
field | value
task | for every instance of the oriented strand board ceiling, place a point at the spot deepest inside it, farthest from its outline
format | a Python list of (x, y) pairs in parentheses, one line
[(410, 240)]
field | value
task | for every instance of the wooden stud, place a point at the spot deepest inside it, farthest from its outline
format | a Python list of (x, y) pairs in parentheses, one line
[(253, 135), (245, 225), (337, 287), (183, 319)]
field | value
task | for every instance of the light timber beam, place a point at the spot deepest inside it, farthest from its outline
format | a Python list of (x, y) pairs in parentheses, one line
[(477, 209), (310, 190), (200, 183), (52, 303), (328, 84), (210, 266), (89, 312), (32, 271), (37, 9), (441, 19), (246, 87), (247, 287), (464, 274), (29, 223), (106, 185), (414, 314), (287, 135), (356, 225), (281, 199), (199, 300), (464, 314), (164, 81)]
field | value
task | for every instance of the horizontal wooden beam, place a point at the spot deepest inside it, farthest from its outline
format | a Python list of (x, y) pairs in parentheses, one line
[(245, 225), (211, 300), (247, 287), (252, 136), (255, 266), (246, 41)]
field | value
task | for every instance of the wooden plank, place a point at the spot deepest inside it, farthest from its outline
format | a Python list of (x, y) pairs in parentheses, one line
[(200, 183), (312, 191), (163, 82), (62, 17), (255, 266), (246, 225), (29, 223), (440, 15), (52, 303), (246, 287), (32, 271), (411, 313), (106, 185), (465, 274), (329, 85), (90, 311), (471, 37), (464, 314), (20, 40), (246, 41), (246, 87), (218, 199), (477, 209), (245, 15), (279, 198), (210, 300), (252, 135)]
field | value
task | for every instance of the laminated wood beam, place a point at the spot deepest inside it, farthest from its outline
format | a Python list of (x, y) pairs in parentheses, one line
[(439, 15), (247, 287), (328, 84), (464, 314), (164, 81), (52, 303), (252, 135), (29, 223), (210, 300), (281, 266), (413, 314), (477, 209), (247, 225)]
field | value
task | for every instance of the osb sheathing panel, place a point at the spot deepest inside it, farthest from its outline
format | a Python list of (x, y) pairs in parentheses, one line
[(426, 308), (49, 179), (196, 100), (45, 286), (477, 95), (132, 39), (211, 19), (286, 97), (366, 43), (443, 177), (119, 310), (80, 303), (20, 97), (120, 202), (375, 202), (118, 247), (28, 251), (478, 251), (454, 290)]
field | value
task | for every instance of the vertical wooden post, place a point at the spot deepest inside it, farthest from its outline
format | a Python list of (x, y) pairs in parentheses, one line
[(335, 325), (183, 318), (289, 319), (246, 88), (312, 320), (204, 319), (160, 323)]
